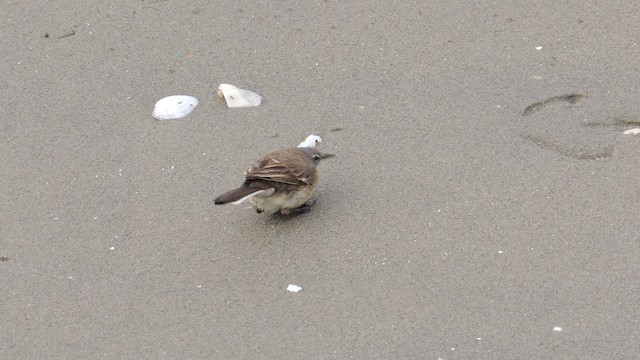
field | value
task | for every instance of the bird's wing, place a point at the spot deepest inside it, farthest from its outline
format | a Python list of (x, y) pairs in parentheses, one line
[(275, 168)]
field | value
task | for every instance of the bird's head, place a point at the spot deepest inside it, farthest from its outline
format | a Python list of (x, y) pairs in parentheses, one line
[(315, 155)]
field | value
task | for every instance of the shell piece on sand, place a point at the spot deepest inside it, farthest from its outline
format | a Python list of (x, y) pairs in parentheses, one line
[(238, 98), (293, 288), (174, 107), (311, 141), (634, 131)]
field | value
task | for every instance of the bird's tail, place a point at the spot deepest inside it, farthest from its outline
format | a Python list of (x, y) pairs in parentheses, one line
[(241, 194)]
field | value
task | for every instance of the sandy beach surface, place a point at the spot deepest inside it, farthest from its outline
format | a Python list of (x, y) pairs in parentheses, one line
[(483, 202)]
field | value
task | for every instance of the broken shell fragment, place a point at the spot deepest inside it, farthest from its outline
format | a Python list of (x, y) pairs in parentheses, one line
[(634, 131), (174, 107), (293, 288), (238, 98), (311, 141)]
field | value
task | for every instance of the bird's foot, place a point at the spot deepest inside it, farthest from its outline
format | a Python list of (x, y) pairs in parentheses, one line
[(300, 209)]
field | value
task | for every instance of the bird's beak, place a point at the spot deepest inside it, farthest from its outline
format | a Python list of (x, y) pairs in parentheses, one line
[(326, 156)]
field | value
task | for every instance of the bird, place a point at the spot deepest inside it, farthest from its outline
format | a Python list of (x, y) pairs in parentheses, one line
[(281, 181)]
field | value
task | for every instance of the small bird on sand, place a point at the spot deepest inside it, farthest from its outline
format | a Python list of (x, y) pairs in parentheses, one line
[(282, 181)]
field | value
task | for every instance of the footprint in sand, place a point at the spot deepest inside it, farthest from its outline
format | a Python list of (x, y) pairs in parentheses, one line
[(558, 124)]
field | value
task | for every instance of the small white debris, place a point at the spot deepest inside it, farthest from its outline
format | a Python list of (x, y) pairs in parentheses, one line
[(311, 141), (112, 248), (500, 252), (634, 131), (538, 47), (293, 288), (557, 329)]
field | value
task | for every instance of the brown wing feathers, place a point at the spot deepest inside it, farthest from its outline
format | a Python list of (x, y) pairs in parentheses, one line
[(283, 166), (278, 171)]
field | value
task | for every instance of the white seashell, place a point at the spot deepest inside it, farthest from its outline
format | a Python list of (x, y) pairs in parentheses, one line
[(238, 98), (293, 288), (634, 131), (174, 107), (311, 141)]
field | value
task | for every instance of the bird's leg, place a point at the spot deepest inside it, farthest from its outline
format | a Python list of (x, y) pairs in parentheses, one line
[(302, 208)]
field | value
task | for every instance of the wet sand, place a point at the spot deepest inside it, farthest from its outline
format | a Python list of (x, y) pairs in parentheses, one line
[(448, 226)]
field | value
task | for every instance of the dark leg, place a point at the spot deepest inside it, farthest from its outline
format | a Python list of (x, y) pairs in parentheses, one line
[(302, 208)]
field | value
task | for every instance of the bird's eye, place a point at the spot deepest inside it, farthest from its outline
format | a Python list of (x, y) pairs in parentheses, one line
[(316, 157)]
